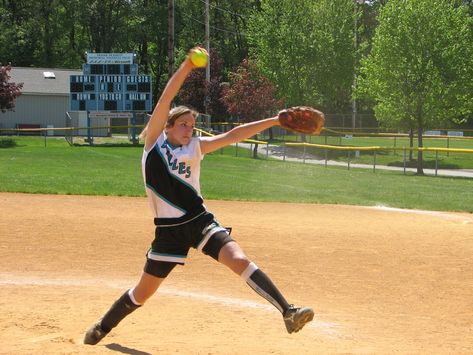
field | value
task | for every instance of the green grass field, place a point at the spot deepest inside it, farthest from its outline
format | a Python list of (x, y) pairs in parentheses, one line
[(58, 168)]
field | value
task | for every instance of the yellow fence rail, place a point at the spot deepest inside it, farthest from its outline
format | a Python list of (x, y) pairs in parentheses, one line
[(375, 149), (385, 135), (378, 148)]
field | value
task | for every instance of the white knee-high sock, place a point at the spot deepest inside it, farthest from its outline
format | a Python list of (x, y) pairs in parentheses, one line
[(132, 297)]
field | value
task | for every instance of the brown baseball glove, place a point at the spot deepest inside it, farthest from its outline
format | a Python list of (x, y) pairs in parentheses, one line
[(302, 119)]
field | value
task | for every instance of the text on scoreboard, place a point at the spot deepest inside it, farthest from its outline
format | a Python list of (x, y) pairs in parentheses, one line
[(110, 87)]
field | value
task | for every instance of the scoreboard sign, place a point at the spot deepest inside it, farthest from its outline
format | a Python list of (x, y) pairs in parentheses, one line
[(110, 58), (110, 82)]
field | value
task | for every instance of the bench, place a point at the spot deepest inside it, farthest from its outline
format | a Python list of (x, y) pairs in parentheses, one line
[(28, 126)]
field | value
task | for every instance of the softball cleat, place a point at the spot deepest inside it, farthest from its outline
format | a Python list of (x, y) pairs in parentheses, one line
[(94, 334), (296, 318)]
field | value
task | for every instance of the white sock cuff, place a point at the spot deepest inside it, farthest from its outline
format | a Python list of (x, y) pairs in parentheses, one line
[(132, 298), (250, 269)]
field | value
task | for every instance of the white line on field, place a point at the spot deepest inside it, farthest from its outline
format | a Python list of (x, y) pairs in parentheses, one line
[(444, 215), (10, 279)]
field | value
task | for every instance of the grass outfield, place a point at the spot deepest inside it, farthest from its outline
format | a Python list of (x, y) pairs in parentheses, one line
[(115, 170)]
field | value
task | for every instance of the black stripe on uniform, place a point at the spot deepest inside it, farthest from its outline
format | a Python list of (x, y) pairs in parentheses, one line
[(170, 187)]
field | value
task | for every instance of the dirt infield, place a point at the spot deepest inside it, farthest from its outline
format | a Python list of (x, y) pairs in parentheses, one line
[(380, 281)]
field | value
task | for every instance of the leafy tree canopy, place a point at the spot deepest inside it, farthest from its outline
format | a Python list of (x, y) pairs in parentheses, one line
[(8, 91), (306, 50), (420, 70), (250, 95), (196, 90)]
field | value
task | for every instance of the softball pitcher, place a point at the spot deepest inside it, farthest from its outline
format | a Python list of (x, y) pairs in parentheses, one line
[(171, 171)]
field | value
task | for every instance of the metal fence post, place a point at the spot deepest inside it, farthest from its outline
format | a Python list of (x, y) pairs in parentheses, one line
[(134, 140), (303, 156), (436, 161), (325, 157), (349, 157), (267, 150), (90, 139), (405, 160), (374, 161)]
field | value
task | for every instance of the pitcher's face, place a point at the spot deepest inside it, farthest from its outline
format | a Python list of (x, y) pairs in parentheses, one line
[(181, 132)]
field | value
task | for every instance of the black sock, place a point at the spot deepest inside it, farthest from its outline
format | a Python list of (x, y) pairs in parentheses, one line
[(263, 286), (119, 310)]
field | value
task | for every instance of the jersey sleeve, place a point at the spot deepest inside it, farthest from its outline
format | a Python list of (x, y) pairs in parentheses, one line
[(198, 151)]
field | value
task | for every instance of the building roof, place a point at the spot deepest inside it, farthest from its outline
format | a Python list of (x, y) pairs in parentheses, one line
[(40, 81)]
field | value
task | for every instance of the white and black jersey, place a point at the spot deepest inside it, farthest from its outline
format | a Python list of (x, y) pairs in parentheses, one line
[(172, 181)]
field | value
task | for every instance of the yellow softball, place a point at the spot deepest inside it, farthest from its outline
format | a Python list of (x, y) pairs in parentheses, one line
[(199, 58)]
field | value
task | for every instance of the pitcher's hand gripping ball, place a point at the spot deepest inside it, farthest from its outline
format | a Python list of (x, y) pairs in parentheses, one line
[(302, 119), (199, 57)]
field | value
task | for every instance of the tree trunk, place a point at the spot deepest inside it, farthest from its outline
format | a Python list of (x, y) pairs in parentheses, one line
[(144, 55), (170, 37), (255, 151), (47, 36)]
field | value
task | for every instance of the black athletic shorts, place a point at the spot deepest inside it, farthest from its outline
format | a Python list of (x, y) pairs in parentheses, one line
[(171, 244)]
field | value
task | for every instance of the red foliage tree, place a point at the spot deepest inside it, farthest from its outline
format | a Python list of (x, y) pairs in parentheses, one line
[(8, 91), (250, 95), (195, 89)]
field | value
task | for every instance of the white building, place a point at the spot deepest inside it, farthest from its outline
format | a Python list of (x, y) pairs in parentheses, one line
[(44, 98)]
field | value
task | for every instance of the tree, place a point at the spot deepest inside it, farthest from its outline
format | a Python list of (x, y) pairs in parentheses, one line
[(8, 91), (420, 78), (147, 36), (250, 95), (307, 50), (57, 33), (41, 33), (195, 90), (106, 24), (228, 22), (20, 42)]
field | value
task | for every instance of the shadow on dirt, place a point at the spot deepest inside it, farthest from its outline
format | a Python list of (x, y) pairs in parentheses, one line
[(124, 350)]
